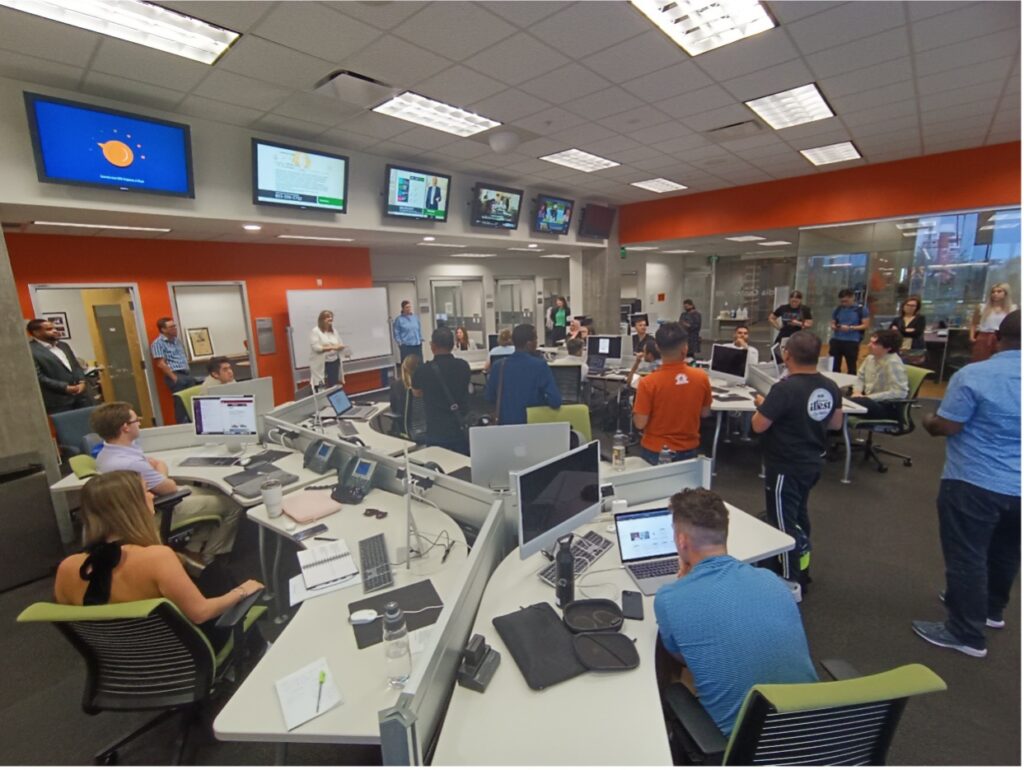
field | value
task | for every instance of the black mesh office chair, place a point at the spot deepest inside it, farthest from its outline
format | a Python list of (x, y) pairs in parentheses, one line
[(569, 380)]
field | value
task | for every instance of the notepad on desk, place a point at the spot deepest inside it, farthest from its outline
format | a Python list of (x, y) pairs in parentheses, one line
[(303, 695), (325, 564)]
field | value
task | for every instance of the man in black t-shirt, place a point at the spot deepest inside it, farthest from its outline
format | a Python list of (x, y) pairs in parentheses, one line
[(791, 318), (795, 418), (442, 383)]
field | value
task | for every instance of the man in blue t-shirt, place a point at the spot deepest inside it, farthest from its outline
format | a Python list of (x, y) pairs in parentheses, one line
[(521, 380), (732, 625), (979, 495), (849, 320)]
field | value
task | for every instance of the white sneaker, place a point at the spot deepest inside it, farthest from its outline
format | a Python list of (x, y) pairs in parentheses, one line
[(794, 588)]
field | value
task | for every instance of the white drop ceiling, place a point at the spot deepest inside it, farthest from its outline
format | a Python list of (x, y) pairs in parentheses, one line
[(904, 78)]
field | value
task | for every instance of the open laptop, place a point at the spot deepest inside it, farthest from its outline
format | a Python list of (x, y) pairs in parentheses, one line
[(647, 547), (596, 363), (343, 407)]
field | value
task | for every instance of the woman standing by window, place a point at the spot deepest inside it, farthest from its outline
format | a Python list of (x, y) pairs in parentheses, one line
[(558, 320), (910, 324), (986, 320), (325, 349)]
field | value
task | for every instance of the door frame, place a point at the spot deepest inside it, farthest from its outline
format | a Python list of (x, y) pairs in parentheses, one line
[(140, 328), (481, 279), (253, 366)]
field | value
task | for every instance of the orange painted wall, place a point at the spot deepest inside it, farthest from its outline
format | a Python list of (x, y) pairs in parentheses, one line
[(965, 179), (268, 270)]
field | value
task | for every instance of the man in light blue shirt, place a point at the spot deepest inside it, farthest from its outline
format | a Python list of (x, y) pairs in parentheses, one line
[(979, 495), (169, 359), (406, 329), (732, 625)]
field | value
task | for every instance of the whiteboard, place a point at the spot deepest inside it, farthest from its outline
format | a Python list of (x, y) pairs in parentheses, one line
[(360, 318)]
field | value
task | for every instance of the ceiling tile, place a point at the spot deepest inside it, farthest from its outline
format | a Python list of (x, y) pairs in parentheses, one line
[(316, 30), (517, 59), (459, 86), (867, 78), (950, 144), (879, 113), (922, 9), (766, 144), (131, 91), (724, 116), (509, 105), (771, 80), (634, 120), (1003, 135), (660, 133), (973, 21), (906, 123), (995, 46), (219, 111), (375, 125), (670, 81), (682, 144), (966, 124), (549, 121), (236, 16), (657, 163), (637, 56), (115, 57), (587, 132), (540, 146), (290, 127), (791, 10), (242, 91), (897, 92), (391, 60), (750, 55), (314, 108), (465, 149), (476, 27), (606, 25), (845, 22), (600, 104), (983, 72), (637, 153), (955, 97), (609, 148), (571, 80), (263, 60), (32, 70), (523, 13), (841, 59), (32, 35), (380, 15), (695, 102)]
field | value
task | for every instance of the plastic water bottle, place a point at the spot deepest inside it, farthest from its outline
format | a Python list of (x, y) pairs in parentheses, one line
[(665, 455), (398, 662), (619, 452)]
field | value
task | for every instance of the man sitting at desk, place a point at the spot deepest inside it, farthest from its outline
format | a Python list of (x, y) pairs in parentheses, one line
[(118, 426), (576, 349), (522, 380), (732, 625), (443, 384), (218, 372), (671, 401), (641, 337)]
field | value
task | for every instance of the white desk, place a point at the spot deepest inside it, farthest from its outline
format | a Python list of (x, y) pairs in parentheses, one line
[(374, 439), (320, 628), (446, 458), (593, 719)]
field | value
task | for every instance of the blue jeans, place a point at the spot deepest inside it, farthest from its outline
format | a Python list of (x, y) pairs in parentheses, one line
[(980, 535), (652, 457)]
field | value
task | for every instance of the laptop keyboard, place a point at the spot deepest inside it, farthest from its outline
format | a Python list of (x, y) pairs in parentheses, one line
[(585, 551), (373, 561), (654, 569)]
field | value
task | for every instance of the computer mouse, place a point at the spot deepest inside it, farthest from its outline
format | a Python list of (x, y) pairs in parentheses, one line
[(244, 461), (290, 525), (361, 617)]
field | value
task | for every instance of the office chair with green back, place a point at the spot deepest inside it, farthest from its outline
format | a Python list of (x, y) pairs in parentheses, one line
[(147, 656), (846, 722), (898, 427), (183, 399), (577, 415)]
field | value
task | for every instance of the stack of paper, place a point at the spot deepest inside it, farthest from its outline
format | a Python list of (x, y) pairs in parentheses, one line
[(326, 564), (307, 693)]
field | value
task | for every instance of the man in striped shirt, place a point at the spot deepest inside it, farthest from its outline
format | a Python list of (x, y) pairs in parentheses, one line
[(170, 360)]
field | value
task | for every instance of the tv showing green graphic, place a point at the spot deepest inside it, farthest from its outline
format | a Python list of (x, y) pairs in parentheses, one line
[(416, 194)]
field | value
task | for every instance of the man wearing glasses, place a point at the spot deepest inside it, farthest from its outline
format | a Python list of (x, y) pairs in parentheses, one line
[(118, 426)]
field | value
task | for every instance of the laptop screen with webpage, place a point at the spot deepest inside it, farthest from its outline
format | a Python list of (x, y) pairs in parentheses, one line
[(644, 535), (340, 401)]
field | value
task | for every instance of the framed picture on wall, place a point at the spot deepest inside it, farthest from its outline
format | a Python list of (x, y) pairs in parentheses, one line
[(199, 341), (60, 323)]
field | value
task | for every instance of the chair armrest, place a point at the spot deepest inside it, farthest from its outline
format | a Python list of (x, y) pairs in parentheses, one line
[(236, 614), (694, 720), (838, 668), (165, 505)]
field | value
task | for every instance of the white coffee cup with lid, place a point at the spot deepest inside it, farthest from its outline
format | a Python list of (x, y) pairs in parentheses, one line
[(273, 497)]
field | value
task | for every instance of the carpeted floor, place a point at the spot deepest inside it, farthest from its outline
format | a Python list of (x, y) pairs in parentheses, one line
[(876, 567)]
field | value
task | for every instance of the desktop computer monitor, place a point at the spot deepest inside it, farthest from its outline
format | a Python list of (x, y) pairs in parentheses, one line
[(557, 496), (492, 341), (495, 450), (229, 419), (729, 364), (603, 345)]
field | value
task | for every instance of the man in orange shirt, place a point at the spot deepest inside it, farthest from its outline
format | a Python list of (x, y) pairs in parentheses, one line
[(671, 401)]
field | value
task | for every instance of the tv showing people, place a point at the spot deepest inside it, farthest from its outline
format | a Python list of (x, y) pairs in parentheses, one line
[(292, 176), (415, 194), (553, 215), (80, 144), (496, 207)]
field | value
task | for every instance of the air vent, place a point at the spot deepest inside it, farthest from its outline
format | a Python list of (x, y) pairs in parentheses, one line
[(734, 131), (354, 88)]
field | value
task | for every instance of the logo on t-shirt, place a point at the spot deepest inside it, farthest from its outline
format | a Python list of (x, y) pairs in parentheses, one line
[(819, 405), (681, 379)]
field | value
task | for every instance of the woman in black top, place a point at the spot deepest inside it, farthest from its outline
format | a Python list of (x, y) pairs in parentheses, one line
[(910, 323)]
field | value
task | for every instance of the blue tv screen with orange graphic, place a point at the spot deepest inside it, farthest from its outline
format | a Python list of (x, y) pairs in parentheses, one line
[(85, 145)]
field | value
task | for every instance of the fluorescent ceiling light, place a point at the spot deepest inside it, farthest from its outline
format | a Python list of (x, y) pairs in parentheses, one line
[(429, 238), (103, 227), (659, 185), (316, 238), (435, 244), (554, 256), (137, 22), (831, 153), (252, 228), (697, 26), (775, 243), (745, 238), (839, 264), (431, 113), (519, 248), (579, 160), (470, 254), (791, 108), (641, 248), (679, 251), (531, 245)]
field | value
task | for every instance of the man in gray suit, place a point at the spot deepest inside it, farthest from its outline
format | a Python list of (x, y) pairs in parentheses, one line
[(60, 376)]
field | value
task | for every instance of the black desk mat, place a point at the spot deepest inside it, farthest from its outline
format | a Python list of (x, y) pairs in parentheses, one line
[(409, 598)]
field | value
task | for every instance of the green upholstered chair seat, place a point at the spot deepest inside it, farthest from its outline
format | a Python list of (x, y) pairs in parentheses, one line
[(577, 415), (83, 466)]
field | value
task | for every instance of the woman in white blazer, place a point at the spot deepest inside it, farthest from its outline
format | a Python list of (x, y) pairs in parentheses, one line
[(325, 349)]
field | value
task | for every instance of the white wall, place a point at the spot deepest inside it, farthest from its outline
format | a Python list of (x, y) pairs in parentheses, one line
[(217, 308), (663, 275), (68, 301)]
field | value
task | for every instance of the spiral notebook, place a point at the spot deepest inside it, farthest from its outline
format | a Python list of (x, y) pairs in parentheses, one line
[(326, 563)]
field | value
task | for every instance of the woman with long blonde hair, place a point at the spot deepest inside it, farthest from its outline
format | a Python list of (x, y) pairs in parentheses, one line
[(325, 348), (399, 393), (986, 319)]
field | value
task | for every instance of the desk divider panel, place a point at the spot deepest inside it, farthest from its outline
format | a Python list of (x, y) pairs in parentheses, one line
[(659, 481)]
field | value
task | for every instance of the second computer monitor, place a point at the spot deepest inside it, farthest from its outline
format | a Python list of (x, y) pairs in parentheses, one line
[(497, 449), (729, 364), (230, 419), (603, 345)]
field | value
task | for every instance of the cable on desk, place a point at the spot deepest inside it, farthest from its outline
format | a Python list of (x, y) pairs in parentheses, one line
[(582, 587)]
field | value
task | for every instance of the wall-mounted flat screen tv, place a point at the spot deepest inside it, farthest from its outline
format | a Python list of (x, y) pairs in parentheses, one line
[(82, 144), (283, 175), (416, 194), (553, 215), (496, 206), (596, 221)]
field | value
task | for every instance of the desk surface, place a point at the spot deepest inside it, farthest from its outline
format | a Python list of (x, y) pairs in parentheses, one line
[(379, 442), (320, 628), (746, 404), (448, 460), (594, 719)]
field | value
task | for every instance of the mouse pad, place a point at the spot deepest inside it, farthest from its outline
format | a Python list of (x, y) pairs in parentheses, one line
[(409, 598)]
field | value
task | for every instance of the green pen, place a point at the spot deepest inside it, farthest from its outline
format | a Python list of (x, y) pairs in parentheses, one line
[(320, 690)]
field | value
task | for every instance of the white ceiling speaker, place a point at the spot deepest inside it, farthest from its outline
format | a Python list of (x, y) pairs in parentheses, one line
[(503, 141)]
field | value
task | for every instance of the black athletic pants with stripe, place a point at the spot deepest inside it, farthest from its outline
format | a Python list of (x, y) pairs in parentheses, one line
[(786, 495)]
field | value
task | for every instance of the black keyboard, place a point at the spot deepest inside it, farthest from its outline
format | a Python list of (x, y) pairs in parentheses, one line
[(373, 561), (585, 551), (653, 569)]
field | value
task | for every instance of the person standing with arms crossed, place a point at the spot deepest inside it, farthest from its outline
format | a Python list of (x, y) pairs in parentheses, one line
[(170, 360), (795, 418), (979, 495), (325, 348), (407, 334)]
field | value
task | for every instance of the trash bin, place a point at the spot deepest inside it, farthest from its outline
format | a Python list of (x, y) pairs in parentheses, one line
[(30, 545)]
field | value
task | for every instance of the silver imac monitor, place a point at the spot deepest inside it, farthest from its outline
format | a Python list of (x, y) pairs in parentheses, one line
[(557, 496), (260, 387), (729, 364), (225, 419), (497, 449)]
